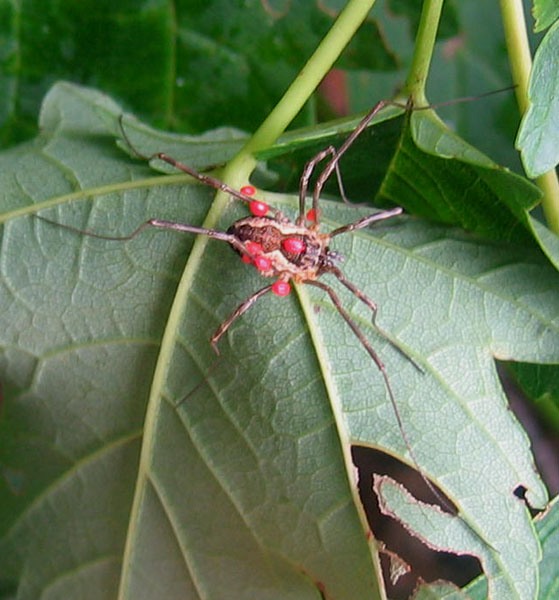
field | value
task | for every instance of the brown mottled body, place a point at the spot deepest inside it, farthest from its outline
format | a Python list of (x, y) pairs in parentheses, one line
[(271, 235)]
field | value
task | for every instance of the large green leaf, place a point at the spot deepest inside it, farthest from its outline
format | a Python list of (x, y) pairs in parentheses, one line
[(131, 458)]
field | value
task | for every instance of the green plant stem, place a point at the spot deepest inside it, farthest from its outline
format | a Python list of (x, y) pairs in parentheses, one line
[(520, 59), (549, 185), (518, 49), (423, 52), (302, 87)]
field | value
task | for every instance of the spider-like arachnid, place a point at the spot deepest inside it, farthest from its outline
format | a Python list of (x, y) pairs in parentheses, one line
[(288, 250), (291, 251)]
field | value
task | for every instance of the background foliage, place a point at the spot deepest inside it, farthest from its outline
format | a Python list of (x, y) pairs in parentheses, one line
[(84, 322)]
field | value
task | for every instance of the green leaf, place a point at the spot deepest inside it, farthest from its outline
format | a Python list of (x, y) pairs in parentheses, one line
[(546, 12), (548, 240), (470, 63), (538, 138), (140, 462), (183, 64), (441, 531), (189, 66), (440, 176), (440, 590), (420, 164), (547, 529)]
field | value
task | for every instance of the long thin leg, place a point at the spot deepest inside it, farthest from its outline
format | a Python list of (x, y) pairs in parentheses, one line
[(213, 182), (205, 179), (201, 177), (240, 310), (362, 223), (366, 221), (343, 312), (211, 233), (205, 376), (376, 359), (374, 310), (304, 183), (323, 177), (333, 164), (159, 223), (305, 178)]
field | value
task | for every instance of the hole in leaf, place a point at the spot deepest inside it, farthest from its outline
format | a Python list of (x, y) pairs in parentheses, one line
[(520, 492), (425, 564)]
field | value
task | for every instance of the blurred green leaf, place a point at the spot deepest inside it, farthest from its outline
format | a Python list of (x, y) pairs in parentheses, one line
[(184, 64), (143, 461), (473, 61), (127, 47), (191, 66), (538, 138), (546, 12)]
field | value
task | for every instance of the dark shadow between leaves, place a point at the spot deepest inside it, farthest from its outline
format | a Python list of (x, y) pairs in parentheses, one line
[(424, 563)]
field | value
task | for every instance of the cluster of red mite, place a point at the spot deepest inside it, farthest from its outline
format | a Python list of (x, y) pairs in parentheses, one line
[(256, 256)]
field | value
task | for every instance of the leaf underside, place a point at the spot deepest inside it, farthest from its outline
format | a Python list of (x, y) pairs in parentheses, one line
[(141, 462)]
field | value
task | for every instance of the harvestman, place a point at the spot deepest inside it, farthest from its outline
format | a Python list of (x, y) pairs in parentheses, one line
[(288, 250), (295, 250)]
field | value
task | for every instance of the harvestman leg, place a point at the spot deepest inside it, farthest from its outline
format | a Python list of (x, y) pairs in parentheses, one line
[(360, 224), (371, 352), (215, 183), (369, 220), (333, 164), (364, 341), (161, 224), (305, 178), (183, 228), (201, 177), (239, 311), (374, 311)]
